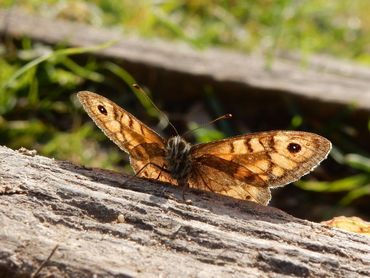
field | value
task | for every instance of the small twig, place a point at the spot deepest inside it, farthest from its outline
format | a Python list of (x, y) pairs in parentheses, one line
[(44, 262)]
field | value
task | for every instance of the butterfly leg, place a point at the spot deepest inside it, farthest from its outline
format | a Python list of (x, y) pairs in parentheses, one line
[(161, 168), (184, 184), (185, 187), (160, 171), (143, 168)]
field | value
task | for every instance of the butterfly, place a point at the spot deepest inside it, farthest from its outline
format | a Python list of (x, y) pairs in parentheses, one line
[(243, 167)]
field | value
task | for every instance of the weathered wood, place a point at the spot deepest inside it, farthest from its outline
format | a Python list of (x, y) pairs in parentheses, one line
[(108, 227)]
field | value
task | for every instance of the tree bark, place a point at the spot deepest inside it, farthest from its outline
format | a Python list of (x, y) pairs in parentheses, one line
[(110, 225)]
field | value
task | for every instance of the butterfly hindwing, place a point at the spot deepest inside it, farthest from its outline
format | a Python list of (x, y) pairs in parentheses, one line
[(209, 178)]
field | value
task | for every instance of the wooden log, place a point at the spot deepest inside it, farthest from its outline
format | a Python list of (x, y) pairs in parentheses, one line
[(107, 225)]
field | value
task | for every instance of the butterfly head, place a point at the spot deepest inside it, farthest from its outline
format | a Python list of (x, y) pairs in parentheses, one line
[(178, 157)]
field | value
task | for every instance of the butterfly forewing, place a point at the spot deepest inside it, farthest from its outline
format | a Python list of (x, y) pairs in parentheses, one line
[(131, 135)]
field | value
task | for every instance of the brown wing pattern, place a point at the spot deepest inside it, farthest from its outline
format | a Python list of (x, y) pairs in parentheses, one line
[(143, 144), (208, 178), (245, 166)]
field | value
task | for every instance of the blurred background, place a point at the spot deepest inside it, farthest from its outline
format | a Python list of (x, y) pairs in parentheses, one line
[(39, 81)]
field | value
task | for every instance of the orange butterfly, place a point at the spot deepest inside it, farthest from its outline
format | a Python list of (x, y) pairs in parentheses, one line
[(243, 167)]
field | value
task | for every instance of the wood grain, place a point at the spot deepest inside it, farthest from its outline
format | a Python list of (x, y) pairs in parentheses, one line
[(49, 202)]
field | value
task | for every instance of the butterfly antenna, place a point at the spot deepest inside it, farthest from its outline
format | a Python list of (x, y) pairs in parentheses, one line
[(141, 90), (226, 116)]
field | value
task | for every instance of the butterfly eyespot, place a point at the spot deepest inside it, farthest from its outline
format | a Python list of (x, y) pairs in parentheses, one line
[(102, 110), (294, 147)]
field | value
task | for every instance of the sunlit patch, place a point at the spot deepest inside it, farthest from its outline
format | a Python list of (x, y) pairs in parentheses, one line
[(239, 146), (263, 164), (282, 161), (254, 169), (113, 126), (264, 177), (119, 136), (277, 171), (256, 145)]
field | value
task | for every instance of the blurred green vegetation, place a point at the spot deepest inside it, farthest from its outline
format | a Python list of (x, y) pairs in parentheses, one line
[(39, 110), (340, 28), (354, 186)]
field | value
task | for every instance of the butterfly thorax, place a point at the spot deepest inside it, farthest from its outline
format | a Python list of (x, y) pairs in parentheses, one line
[(178, 158)]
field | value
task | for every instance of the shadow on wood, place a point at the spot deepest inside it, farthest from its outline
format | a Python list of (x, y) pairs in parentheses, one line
[(106, 227)]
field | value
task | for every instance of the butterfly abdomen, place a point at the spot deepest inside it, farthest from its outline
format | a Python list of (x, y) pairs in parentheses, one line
[(178, 158)]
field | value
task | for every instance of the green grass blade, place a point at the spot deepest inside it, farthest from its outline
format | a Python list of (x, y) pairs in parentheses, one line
[(53, 54)]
